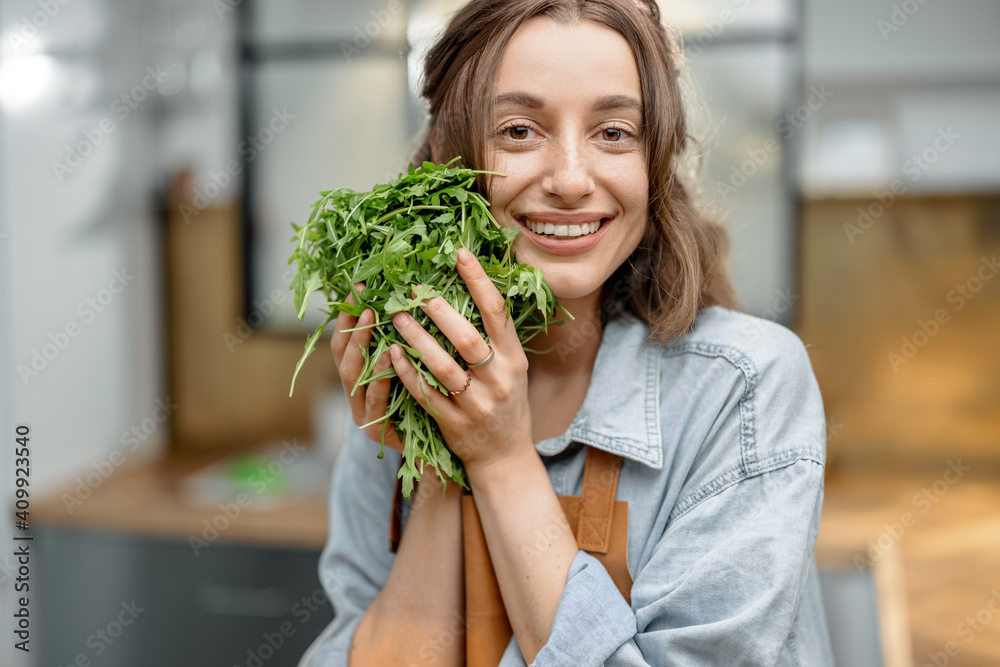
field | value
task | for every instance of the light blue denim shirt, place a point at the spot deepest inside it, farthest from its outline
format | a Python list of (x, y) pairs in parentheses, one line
[(722, 435)]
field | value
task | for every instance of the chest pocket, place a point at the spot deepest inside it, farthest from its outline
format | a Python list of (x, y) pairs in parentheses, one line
[(599, 522)]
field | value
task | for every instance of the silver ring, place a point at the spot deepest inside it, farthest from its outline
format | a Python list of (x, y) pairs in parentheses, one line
[(488, 359), (468, 381)]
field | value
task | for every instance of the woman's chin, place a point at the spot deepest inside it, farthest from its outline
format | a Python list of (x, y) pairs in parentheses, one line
[(569, 290)]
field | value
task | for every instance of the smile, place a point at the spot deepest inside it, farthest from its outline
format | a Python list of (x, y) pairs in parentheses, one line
[(565, 234), (551, 229)]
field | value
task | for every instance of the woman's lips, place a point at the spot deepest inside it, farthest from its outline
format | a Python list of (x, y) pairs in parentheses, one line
[(572, 242)]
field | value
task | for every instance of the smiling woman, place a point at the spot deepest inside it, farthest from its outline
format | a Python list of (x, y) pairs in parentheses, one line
[(629, 64), (648, 493)]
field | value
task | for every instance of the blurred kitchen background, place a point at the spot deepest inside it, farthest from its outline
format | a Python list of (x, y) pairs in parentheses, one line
[(155, 154)]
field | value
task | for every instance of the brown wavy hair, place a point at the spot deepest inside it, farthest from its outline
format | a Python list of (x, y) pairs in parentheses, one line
[(678, 267)]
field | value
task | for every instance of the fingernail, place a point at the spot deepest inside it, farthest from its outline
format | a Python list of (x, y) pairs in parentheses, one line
[(396, 352), (465, 257), (399, 319)]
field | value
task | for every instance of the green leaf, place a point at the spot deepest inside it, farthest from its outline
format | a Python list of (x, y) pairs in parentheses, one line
[(310, 346), (403, 233)]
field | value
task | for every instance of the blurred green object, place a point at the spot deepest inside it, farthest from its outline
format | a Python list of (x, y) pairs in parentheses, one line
[(252, 471)]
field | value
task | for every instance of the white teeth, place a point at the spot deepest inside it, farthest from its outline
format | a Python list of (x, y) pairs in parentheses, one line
[(562, 230)]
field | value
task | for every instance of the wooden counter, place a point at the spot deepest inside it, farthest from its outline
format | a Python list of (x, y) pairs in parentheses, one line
[(932, 539), (146, 499)]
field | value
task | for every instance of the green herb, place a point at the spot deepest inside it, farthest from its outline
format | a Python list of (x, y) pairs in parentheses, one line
[(402, 234)]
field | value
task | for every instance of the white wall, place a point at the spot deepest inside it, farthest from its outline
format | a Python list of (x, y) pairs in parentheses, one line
[(855, 40), (901, 73), (8, 655), (65, 233), (72, 231)]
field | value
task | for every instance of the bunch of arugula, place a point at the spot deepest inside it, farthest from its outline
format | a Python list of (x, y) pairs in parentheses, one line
[(400, 235)]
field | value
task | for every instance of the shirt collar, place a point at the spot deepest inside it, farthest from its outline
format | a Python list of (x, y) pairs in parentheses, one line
[(621, 412)]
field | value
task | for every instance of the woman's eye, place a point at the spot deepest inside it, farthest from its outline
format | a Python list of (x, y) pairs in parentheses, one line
[(517, 132), (612, 134)]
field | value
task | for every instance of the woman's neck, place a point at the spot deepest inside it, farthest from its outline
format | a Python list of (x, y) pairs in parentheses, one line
[(573, 345)]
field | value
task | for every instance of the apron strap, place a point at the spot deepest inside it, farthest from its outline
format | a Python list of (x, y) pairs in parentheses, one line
[(593, 527), (597, 500), (488, 630)]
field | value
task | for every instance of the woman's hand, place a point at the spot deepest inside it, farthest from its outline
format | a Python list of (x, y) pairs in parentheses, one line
[(370, 401), (491, 419)]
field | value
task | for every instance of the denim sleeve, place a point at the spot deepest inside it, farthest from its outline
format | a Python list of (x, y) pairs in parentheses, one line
[(726, 600), (722, 584), (356, 561)]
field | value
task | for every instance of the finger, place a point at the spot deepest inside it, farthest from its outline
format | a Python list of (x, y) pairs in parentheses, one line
[(338, 343), (428, 398), (465, 337), (437, 361), (353, 363), (376, 403), (377, 392), (491, 304)]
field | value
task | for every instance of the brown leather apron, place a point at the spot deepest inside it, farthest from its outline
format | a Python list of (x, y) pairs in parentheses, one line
[(599, 522)]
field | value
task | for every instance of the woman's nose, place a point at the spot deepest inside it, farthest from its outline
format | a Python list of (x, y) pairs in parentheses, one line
[(568, 176)]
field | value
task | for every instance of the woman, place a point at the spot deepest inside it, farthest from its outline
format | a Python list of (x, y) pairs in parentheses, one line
[(715, 415)]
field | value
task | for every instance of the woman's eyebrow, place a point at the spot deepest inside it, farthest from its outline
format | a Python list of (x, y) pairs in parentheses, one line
[(617, 102), (606, 103), (520, 100)]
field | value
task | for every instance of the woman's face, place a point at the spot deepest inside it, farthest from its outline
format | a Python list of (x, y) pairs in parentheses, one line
[(569, 137)]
